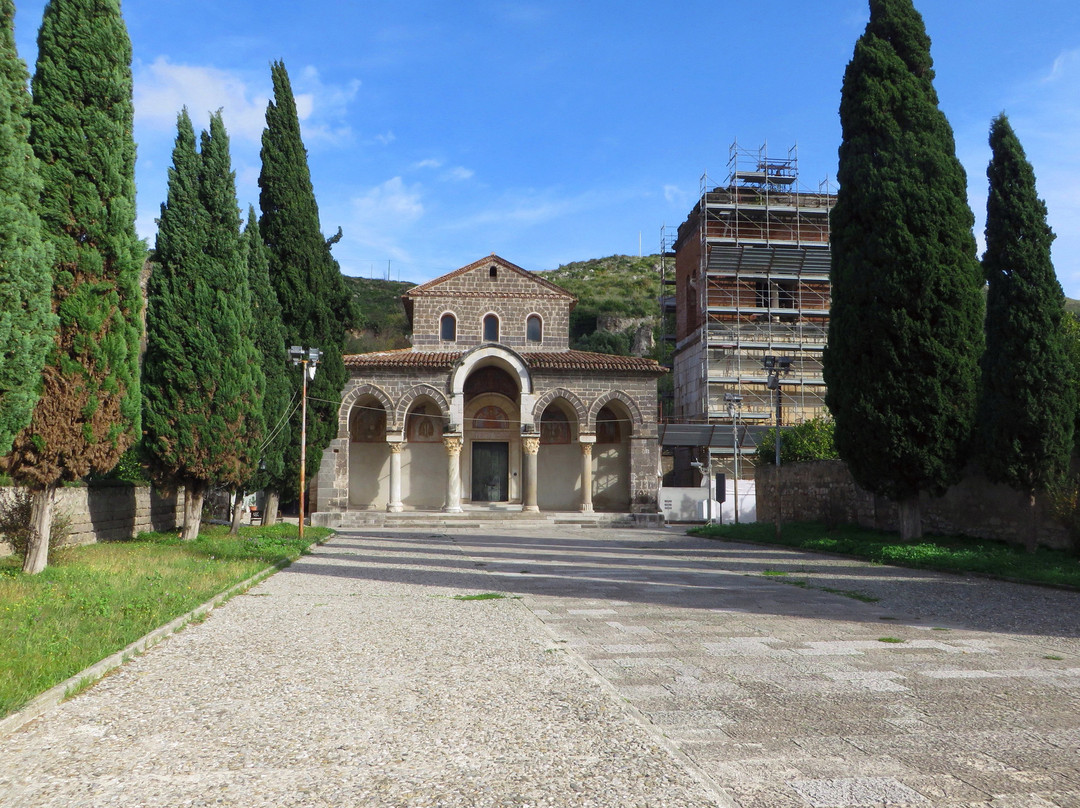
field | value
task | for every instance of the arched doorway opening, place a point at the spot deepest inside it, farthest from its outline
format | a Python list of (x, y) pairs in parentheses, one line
[(423, 457), (611, 458), (491, 431), (559, 460), (369, 455)]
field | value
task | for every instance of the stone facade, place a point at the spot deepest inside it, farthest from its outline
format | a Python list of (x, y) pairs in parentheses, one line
[(108, 513), (824, 491), (515, 418)]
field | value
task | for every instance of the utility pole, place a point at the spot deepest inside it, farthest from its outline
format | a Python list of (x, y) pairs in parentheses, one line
[(308, 359)]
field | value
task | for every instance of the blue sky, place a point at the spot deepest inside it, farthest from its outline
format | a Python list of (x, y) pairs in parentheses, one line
[(550, 132)]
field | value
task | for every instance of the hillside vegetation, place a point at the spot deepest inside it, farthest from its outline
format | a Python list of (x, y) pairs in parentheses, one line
[(617, 306)]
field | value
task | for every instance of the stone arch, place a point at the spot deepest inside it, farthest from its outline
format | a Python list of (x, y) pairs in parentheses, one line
[(406, 401), (581, 412), (509, 360), (636, 421), (351, 398)]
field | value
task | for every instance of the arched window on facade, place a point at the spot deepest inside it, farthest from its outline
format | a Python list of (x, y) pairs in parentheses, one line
[(491, 328), (448, 328), (534, 329)]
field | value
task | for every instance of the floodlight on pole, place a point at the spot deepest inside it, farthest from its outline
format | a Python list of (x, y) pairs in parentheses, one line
[(734, 405), (774, 369), (308, 358)]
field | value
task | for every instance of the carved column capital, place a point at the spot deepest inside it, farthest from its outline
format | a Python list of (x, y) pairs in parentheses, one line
[(586, 449), (531, 445), (453, 445), (396, 447)]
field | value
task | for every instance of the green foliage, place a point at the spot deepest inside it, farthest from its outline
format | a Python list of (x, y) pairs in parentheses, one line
[(27, 324), (97, 599), (380, 323), (943, 553), (905, 331), (1070, 338), (1028, 403), (203, 377), (315, 304), (269, 338), (129, 469), (621, 285), (81, 132), (619, 343), (810, 440)]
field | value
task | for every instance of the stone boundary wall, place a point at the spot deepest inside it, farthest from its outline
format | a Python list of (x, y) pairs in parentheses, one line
[(109, 513), (823, 491)]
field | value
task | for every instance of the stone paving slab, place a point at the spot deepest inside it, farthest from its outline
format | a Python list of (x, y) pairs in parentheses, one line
[(628, 668)]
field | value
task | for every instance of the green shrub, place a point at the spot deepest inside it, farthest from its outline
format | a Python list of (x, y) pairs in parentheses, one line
[(810, 440)]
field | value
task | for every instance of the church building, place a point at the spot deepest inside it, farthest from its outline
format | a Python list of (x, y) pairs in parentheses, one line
[(491, 408)]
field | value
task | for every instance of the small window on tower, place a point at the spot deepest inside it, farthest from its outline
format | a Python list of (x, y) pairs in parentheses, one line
[(534, 329), (493, 271), (491, 328), (448, 328)]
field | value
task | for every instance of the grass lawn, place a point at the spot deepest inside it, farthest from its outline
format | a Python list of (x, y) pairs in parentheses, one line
[(92, 601), (944, 553)]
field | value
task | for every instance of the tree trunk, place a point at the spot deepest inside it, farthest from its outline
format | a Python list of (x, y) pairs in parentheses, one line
[(1031, 538), (41, 517), (270, 507), (910, 519), (195, 492), (237, 512)]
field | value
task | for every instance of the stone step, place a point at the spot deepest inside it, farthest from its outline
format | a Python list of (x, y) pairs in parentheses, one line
[(480, 517)]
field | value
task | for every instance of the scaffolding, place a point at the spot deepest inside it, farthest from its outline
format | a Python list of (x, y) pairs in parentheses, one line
[(744, 277)]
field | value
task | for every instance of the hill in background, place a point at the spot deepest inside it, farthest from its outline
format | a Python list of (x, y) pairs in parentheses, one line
[(617, 310)]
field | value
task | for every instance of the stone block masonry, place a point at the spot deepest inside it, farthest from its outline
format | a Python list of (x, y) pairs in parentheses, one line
[(107, 513), (824, 491)]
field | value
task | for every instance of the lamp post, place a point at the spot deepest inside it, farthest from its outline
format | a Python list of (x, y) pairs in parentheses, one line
[(734, 403), (706, 469), (308, 358), (775, 367)]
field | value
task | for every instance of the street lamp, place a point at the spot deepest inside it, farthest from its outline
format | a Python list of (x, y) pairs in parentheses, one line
[(775, 367), (734, 404), (308, 358), (706, 469)]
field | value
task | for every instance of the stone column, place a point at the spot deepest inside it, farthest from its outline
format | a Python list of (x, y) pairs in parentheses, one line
[(395, 506), (531, 446), (586, 442), (453, 473)]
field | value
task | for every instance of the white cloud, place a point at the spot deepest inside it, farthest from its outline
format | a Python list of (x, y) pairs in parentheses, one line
[(381, 216), (163, 88), (324, 108), (458, 174)]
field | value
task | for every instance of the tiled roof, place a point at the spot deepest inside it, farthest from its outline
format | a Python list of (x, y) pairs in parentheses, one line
[(403, 358), (536, 360), (584, 360)]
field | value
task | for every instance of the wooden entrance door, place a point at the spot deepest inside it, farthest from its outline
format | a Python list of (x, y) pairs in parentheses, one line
[(490, 471)]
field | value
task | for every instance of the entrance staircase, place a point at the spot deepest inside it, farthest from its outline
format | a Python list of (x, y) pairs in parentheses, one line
[(484, 516)]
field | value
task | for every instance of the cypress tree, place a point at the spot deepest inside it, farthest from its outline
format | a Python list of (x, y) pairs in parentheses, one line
[(81, 131), (27, 324), (314, 302), (1028, 399), (269, 337), (905, 332), (203, 380)]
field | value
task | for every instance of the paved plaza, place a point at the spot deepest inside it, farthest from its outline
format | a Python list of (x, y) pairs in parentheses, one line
[(620, 668)]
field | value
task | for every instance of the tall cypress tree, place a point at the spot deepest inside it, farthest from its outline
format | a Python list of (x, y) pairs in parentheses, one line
[(905, 332), (27, 324), (269, 336), (81, 131), (1028, 400), (203, 379), (315, 304)]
